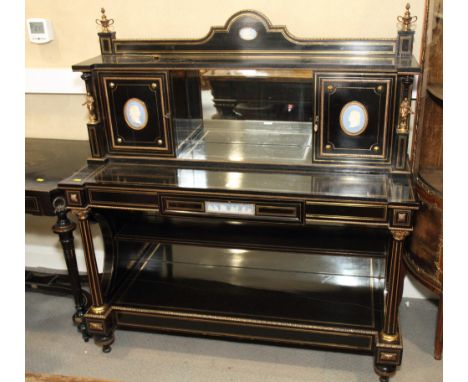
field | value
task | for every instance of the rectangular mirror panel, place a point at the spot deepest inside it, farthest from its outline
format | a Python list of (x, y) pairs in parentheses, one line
[(251, 116)]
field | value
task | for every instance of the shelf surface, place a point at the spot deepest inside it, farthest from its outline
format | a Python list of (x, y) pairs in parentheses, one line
[(252, 142), (284, 287), (370, 243)]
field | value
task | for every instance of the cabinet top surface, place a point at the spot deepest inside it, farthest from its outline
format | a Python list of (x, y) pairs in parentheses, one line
[(396, 189), (375, 63)]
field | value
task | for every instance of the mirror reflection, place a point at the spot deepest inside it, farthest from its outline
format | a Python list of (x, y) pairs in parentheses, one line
[(252, 116)]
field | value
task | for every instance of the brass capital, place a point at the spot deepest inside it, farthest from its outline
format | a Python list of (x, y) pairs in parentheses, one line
[(81, 213), (98, 309), (399, 234), (389, 337)]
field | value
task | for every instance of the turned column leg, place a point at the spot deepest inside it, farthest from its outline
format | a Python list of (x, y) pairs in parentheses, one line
[(389, 349), (395, 287), (64, 229), (97, 317)]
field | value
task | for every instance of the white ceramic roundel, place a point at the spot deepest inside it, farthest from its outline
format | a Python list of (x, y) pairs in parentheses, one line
[(135, 113), (247, 33), (353, 118)]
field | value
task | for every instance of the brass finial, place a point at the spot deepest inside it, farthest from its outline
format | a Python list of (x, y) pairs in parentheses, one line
[(104, 22), (407, 20)]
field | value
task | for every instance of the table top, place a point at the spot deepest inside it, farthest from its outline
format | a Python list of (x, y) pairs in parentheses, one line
[(48, 161)]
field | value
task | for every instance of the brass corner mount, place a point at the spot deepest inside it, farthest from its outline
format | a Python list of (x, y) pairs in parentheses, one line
[(407, 20), (92, 119), (104, 22)]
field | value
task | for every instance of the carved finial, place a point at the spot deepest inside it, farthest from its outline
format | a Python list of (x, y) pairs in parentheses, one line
[(90, 106), (104, 22), (407, 20)]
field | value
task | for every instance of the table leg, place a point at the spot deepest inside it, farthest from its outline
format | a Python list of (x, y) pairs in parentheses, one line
[(389, 348), (98, 318), (64, 228)]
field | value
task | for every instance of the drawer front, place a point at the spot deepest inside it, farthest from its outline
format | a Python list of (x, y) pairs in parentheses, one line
[(122, 199), (236, 208), (355, 118), (32, 205), (346, 212), (138, 114)]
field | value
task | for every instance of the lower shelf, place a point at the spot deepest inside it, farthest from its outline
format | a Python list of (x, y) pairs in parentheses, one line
[(245, 285), (245, 329)]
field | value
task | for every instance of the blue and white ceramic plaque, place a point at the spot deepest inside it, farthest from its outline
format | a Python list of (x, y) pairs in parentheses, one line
[(353, 118), (136, 114), (248, 33)]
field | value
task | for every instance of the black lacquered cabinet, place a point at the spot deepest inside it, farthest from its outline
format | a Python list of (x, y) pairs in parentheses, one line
[(355, 117), (138, 113), (249, 185)]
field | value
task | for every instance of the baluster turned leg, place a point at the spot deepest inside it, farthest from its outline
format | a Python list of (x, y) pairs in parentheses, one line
[(64, 228), (99, 322)]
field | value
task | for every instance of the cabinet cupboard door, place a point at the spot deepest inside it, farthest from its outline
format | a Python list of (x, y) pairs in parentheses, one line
[(138, 114), (355, 118)]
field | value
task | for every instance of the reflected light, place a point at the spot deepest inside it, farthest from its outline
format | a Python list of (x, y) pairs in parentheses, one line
[(347, 281), (237, 258), (237, 251), (192, 178), (234, 179), (253, 72), (236, 155)]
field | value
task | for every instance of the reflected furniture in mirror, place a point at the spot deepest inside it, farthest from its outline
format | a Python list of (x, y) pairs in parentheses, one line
[(424, 258), (249, 185)]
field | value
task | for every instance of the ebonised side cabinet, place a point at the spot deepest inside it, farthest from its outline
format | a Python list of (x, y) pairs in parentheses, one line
[(249, 185)]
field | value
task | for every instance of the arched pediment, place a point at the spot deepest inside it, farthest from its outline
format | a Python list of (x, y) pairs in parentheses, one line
[(251, 32)]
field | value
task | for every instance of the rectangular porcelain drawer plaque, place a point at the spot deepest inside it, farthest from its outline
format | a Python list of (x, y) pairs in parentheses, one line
[(230, 208)]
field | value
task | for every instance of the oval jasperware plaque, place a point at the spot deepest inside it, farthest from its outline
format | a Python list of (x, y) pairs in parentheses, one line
[(135, 114), (353, 118), (248, 33)]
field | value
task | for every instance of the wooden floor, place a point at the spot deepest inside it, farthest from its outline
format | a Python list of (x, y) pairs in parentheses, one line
[(35, 377)]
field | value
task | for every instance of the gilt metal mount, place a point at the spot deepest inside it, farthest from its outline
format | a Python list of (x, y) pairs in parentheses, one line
[(104, 22), (407, 20)]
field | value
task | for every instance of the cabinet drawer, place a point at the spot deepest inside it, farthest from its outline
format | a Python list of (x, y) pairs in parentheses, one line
[(355, 117), (238, 208), (124, 198), (138, 113), (346, 212)]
